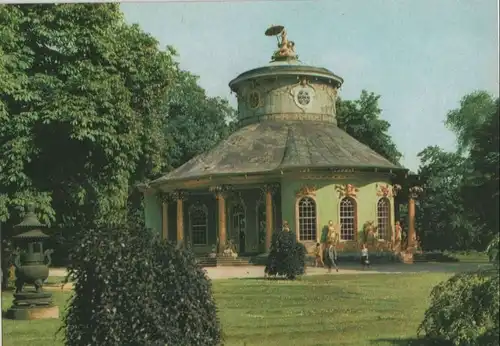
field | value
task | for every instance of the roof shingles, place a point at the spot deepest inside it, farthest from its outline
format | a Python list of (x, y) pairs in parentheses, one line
[(275, 145)]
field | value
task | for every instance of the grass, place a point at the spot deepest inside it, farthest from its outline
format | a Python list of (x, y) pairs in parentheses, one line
[(471, 257), (374, 309)]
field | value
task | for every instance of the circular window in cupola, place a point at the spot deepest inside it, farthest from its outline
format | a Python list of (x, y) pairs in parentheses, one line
[(303, 97), (254, 99)]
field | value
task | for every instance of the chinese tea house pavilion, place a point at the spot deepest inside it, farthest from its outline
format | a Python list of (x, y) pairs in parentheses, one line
[(288, 160)]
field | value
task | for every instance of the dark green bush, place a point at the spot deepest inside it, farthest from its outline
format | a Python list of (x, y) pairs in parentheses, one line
[(286, 256), (464, 310), (131, 288)]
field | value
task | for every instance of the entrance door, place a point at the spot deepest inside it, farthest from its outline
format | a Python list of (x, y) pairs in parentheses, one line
[(239, 226)]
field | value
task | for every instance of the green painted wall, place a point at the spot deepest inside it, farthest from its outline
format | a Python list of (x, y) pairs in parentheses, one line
[(327, 200), (152, 212)]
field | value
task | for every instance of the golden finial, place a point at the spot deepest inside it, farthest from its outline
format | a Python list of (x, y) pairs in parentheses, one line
[(286, 48)]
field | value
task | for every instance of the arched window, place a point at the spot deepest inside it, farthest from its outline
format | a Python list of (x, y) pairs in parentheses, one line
[(307, 219), (198, 222), (383, 218), (348, 219)]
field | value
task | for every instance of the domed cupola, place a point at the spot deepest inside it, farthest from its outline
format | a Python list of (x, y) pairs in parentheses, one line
[(286, 89)]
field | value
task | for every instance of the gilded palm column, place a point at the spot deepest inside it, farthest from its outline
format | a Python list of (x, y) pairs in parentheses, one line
[(269, 190), (180, 196), (220, 195), (165, 199), (414, 192)]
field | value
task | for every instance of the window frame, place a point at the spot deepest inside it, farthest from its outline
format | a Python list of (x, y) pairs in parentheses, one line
[(388, 230), (192, 209), (354, 204), (298, 217)]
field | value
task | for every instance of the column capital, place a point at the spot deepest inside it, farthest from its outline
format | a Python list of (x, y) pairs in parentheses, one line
[(179, 195), (165, 197), (220, 191), (271, 187), (415, 191)]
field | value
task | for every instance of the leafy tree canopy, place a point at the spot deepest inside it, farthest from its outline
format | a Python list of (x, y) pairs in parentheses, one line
[(361, 119), (91, 105), (443, 221), (82, 117), (195, 122), (460, 201)]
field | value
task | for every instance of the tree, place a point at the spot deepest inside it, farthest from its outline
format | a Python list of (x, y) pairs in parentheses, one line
[(131, 288), (459, 208), (475, 110), (286, 256), (97, 90), (195, 122), (443, 222), (361, 119), (83, 113), (480, 188), (464, 309)]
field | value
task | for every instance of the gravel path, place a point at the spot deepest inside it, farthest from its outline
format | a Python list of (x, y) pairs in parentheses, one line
[(258, 271)]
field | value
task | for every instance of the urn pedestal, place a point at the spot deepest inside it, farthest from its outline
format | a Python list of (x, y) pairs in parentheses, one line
[(31, 268)]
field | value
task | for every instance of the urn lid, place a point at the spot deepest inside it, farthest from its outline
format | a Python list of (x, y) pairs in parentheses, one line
[(32, 224), (30, 220), (33, 234)]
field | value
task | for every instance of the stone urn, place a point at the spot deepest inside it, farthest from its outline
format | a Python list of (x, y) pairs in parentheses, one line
[(31, 268)]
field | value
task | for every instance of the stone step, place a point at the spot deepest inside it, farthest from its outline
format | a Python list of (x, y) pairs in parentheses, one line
[(223, 261)]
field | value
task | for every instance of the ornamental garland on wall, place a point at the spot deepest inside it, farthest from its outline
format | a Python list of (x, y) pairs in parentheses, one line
[(306, 190), (385, 190), (348, 190)]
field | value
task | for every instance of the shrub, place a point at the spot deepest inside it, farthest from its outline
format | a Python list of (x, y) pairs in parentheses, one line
[(131, 288), (464, 310), (286, 256)]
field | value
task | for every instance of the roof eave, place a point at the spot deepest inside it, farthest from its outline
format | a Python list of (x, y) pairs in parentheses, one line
[(281, 170)]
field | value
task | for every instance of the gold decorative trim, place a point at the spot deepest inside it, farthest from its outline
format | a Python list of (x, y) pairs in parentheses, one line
[(220, 191), (179, 195), (272, 187), (347, 190), (385, 190), (326, 177), (306, 190), (254, 100), (319, 117)]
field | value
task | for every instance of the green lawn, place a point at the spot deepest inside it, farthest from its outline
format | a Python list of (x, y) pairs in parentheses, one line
[(470, 257), (373, 309)]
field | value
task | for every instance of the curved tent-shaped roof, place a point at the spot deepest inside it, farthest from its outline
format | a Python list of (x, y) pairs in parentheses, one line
[(274, 145)]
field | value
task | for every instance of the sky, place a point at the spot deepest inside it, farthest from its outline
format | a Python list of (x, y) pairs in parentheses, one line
[(421, 56)]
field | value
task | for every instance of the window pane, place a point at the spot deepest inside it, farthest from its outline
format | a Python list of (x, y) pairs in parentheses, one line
[(383, 218), (199, 226), (347, 219), (307, 219)]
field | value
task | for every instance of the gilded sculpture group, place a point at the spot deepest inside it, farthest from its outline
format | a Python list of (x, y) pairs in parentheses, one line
[(286, 48), (370, 236)]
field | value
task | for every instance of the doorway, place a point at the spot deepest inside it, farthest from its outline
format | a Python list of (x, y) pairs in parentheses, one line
[(239, 226)]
